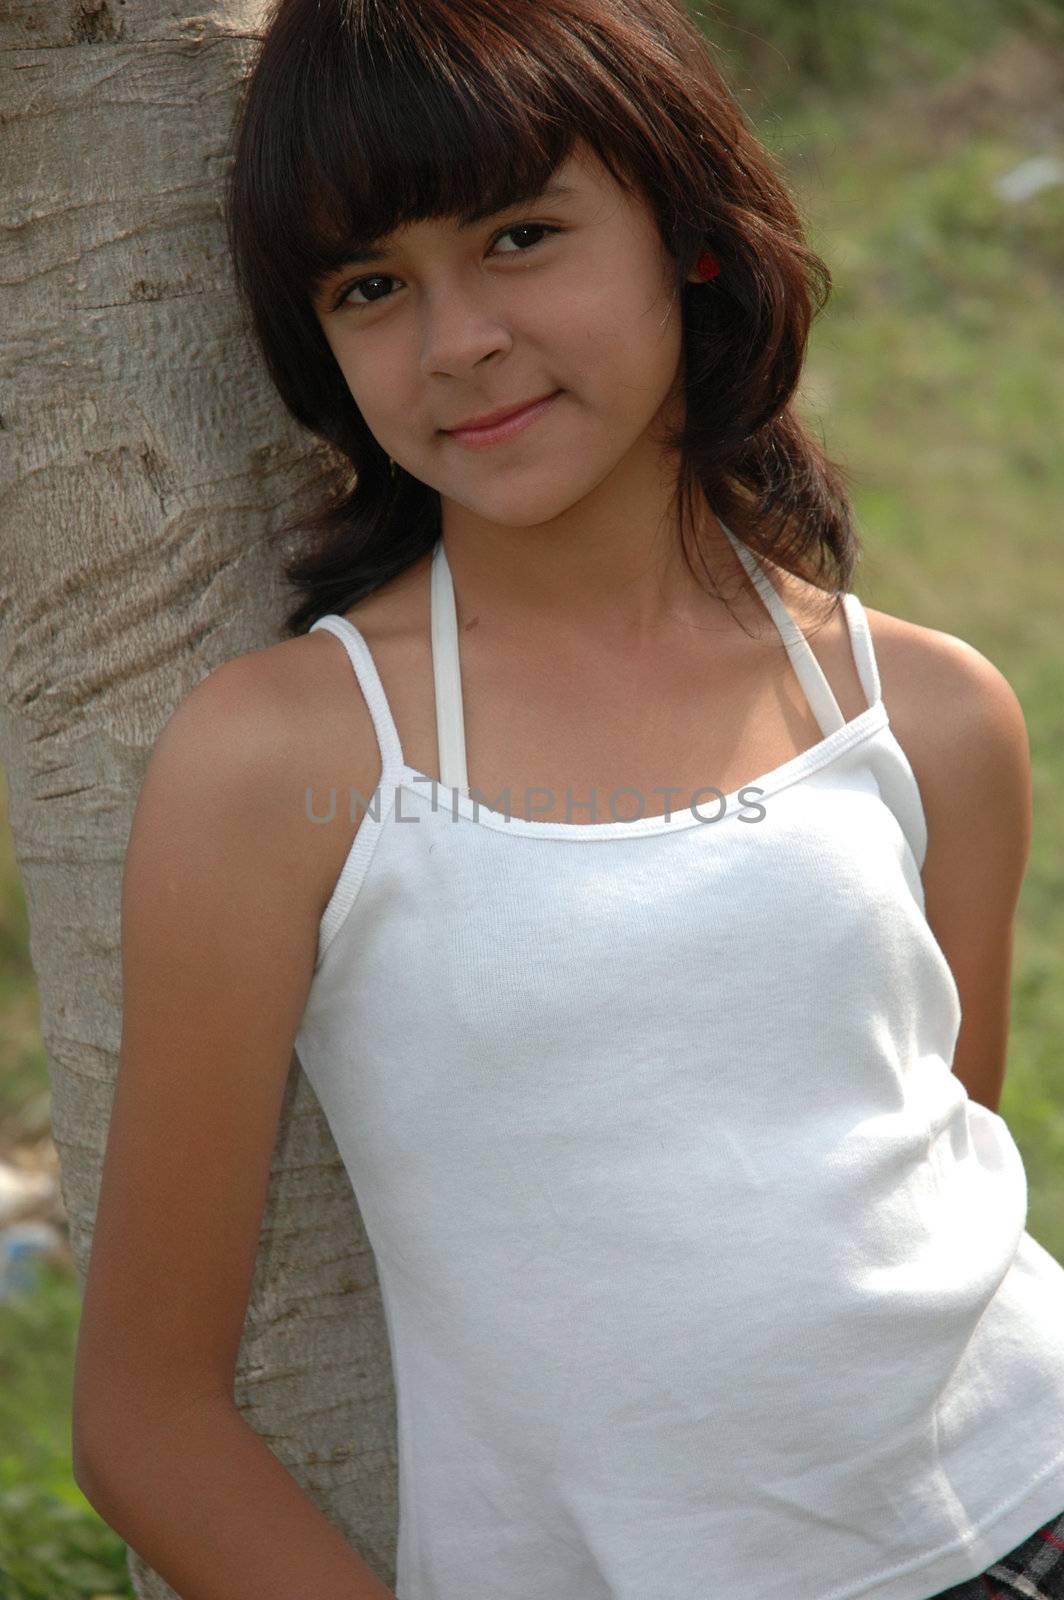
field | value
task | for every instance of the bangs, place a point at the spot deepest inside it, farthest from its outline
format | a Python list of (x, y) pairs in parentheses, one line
[(399, 111)]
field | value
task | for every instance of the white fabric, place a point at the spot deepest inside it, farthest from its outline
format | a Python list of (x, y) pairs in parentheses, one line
[(704, 1277)]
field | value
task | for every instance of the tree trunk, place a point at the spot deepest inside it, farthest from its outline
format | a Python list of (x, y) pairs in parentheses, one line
[(146, 461)]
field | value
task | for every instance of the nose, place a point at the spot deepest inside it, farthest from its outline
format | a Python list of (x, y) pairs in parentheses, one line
[(461, 329)]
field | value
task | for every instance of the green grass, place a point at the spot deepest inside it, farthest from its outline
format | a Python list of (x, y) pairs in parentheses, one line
[(53, 1546), (933, 376)]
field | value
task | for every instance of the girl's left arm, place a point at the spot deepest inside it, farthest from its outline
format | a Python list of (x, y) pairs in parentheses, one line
[(970, 750)]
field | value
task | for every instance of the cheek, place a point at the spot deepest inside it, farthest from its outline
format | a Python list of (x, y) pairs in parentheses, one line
[(365, 390), (619, 332), (341, 355)]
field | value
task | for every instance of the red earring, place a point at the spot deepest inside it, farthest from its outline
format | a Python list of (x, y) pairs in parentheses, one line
[(707, 266)]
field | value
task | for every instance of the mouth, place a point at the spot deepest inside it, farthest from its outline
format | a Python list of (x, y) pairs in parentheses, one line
[(505, 424)]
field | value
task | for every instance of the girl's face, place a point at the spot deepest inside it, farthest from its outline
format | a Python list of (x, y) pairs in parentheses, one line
[(572, 292)]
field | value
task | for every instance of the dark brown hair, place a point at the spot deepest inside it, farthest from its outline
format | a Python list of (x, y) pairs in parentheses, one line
[(360, 116)]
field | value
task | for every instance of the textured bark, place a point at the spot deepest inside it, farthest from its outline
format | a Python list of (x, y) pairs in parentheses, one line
[(144, 461)]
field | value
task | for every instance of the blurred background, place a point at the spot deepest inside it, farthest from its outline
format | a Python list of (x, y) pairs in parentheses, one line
[(926, 147)]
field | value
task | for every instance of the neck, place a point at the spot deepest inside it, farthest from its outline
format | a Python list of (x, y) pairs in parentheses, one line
[(626, 590)]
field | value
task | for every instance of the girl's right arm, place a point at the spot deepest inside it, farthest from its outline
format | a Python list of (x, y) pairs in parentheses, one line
[(221, 902)]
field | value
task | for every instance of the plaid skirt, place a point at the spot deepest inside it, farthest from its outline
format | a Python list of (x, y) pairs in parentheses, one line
[(1034, 1570)]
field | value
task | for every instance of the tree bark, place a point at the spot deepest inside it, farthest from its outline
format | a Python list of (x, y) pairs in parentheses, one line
[(145, 462)]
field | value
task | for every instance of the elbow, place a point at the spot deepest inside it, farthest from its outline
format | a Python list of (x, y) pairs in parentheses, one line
[(100, 1439), (88, 1457), (95, 1396)]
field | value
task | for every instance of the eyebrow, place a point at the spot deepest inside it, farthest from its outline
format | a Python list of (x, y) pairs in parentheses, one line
[(377, 249)]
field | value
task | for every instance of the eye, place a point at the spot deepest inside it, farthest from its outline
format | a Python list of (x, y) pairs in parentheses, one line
[(343, 303), (527, 227)]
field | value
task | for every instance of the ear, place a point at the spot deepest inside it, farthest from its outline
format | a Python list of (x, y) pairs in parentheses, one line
[(705, 268)]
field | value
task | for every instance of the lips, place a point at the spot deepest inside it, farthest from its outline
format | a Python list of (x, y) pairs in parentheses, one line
[(491, 418)]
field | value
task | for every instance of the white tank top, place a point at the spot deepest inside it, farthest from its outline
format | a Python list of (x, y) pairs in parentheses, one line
[(703, 1275)]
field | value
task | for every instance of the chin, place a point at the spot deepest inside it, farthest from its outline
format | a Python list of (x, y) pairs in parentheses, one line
[(518, 505)]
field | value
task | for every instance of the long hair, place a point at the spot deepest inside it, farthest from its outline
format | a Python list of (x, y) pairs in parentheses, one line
[(360, 116)]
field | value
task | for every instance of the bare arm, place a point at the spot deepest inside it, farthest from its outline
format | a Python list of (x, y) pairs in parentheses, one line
[(200, 1496), (972, 761), (220, 911)]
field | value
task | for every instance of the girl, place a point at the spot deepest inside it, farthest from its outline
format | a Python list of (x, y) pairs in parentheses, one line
[(656, 992)]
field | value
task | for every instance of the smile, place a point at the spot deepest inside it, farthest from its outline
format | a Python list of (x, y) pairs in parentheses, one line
[(478, 438)]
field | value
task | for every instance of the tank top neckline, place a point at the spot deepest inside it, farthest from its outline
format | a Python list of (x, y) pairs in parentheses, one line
[(449, 793)]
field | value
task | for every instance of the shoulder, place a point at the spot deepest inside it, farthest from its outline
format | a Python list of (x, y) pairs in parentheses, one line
[(309, 691), (273, 733), (957, 717), (959, 722), (953, 711), (258, 714)]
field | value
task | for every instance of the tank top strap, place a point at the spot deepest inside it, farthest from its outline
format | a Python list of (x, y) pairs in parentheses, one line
[(369, 682), (447, 676), (864, 653), (818, 691)]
